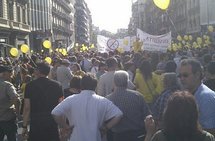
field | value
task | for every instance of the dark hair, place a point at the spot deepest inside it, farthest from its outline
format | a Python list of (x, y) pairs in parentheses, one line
[(146, 69), (211, 68), (101, 64), (111, 62), (77, 65), (43, 68), (183, 124), (170, 66), (75, 82), (88, 82)]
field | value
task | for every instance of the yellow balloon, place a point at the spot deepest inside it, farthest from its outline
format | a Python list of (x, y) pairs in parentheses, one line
[(199, 40), (47, 44), (14, 52), (120, 49), (125, 42), (186, 37), (92, 46), (60, 50), (190, 37), (48, 60), (162, 4), (179, 38), (24, 48), (210, 28)]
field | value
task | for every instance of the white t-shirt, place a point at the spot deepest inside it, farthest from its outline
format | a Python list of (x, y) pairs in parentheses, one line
[(87, 112)]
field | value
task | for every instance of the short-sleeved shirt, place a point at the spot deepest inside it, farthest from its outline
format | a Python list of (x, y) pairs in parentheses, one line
[(7, 92), (87, 112), (205, 99), (44, 95)]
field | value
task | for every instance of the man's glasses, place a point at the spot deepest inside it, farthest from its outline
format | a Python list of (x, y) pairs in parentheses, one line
[(184, 75)]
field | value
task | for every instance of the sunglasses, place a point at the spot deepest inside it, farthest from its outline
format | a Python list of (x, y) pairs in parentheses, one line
[(184, 75)]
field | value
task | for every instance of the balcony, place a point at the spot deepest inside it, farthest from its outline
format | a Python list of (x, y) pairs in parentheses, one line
[(14, 25), (4, 23), (65, 5), (19, 26), (62, 15), (62, 29)]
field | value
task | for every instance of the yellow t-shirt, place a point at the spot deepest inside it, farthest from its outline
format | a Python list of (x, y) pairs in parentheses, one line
[(150, 88), (23, 89)]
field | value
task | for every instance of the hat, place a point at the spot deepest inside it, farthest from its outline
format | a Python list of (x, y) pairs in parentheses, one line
[(65, 61)]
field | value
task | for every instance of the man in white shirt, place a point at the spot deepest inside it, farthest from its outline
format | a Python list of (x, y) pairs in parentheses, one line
[(89, 114)]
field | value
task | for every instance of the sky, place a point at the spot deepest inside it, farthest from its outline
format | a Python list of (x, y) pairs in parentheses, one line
[(110, 14)]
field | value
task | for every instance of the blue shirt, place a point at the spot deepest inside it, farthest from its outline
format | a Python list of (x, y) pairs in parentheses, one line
[(205, 99)]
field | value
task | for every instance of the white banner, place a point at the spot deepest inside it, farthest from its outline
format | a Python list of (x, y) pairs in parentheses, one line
[(154, 43), (102, 43), (106, 44)]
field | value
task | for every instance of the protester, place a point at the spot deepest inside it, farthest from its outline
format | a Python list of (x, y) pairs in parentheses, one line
[(179, 126), (101, 70), (210, 75), (171, 84), (76, 70), (75, 86), (147, 82), (190, 74), (41, 96), (53, 72), (8, 113), (89, 114), (134, 109), (95, 67), (64, 74), (106, 81)]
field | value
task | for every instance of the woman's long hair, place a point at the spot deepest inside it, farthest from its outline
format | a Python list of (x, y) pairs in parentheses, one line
[(181, 118), (146, 69)]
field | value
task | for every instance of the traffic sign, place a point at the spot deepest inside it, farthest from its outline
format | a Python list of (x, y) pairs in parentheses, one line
[(112, 44)]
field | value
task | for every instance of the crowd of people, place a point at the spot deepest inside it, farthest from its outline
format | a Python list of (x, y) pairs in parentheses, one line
[(110, 96)]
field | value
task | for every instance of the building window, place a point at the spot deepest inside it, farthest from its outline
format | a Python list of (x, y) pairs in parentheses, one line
[(18, 14), (23, 16), (10, 10), (1, 8)]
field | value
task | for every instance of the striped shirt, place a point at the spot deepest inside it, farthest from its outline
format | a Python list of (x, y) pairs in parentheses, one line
[(134, 109)]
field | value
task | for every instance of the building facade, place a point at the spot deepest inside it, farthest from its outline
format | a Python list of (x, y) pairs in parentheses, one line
[(63, 22), (41, 27), (52, 20), (83, 23), (182, 17), (14, 24)]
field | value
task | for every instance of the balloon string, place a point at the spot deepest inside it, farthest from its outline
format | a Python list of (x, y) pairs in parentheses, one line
[(172, 22), (31, 60)]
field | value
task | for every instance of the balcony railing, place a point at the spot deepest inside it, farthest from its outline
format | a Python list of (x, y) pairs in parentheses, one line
[(65, 5), (62, 29), (62, 15), (14, 25)]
